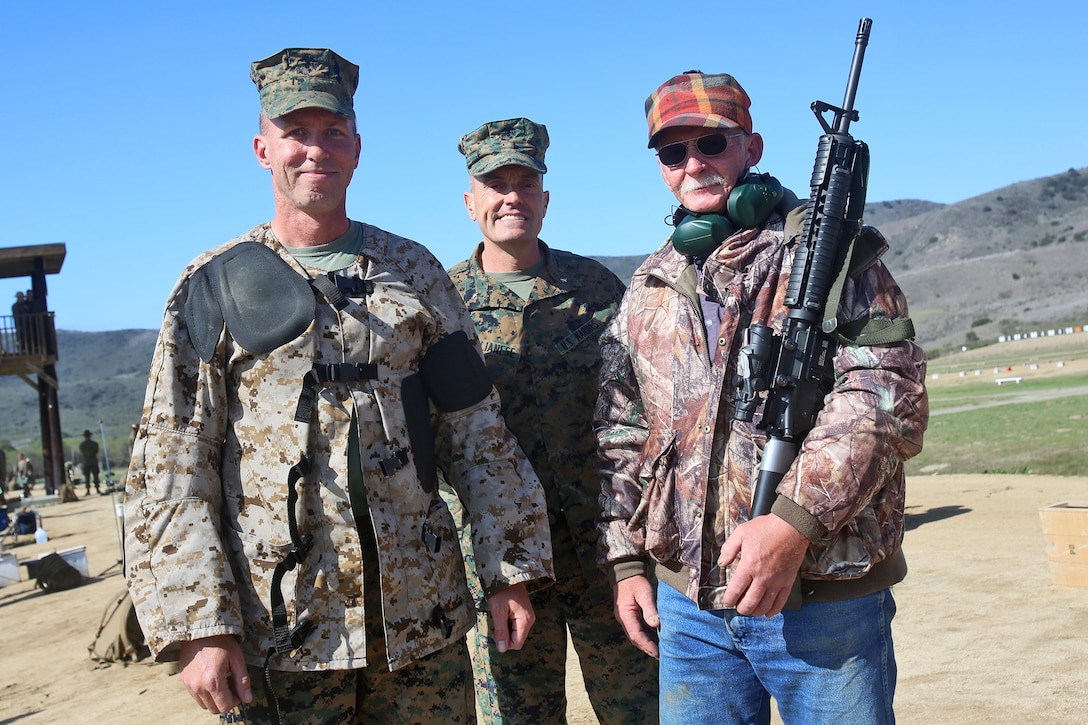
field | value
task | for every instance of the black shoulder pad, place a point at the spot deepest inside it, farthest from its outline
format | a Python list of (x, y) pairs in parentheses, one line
[(202, 315), (263, 302)]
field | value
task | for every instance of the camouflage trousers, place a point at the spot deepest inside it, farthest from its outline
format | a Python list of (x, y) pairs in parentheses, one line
[(528, 686), (434, 689)]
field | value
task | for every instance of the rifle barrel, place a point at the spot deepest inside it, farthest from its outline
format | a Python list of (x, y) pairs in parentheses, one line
[(844, 119)]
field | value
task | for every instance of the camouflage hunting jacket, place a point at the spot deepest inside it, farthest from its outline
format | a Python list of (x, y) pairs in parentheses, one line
[(677, 471), (543, 357), (206, 507)]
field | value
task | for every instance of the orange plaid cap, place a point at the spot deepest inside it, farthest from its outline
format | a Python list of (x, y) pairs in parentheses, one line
[(698, 99)]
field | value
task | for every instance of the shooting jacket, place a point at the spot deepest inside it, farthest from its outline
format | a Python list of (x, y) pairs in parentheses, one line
[(677, 471), (207, 495)]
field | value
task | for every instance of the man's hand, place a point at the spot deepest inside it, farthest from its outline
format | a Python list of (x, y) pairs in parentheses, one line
[(512, 617), (636, 610), (213, 669), (770, 553)]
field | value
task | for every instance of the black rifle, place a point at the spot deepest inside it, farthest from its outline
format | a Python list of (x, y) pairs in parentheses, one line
[(803, 373)]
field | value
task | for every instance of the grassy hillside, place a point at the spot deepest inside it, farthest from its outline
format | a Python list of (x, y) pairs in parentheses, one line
[(1038, 425), (1001, 263)]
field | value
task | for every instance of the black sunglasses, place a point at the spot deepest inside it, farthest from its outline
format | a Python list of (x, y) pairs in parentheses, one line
[(713, 144)]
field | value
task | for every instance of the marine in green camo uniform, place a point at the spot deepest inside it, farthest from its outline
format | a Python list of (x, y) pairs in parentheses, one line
[(539, 313)]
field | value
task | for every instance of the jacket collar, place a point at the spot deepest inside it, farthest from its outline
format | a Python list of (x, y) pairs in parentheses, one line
[(484, 290)]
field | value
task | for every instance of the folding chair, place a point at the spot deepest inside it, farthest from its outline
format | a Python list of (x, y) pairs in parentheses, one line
[(26, 522)]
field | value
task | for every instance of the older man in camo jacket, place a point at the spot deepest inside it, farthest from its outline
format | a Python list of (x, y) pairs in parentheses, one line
[(678, 469), (539, 312), (284, 535)]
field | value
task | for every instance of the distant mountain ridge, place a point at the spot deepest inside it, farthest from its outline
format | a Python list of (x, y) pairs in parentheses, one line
[(1011, 260), (102, 376)]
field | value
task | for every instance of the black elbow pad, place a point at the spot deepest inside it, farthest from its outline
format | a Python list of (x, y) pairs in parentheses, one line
[(454, 375)]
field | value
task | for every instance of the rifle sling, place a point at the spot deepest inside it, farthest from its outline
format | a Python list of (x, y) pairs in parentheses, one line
[(865, 248)]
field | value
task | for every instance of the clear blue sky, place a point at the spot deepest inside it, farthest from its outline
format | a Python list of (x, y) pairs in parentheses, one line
[(128, 125)]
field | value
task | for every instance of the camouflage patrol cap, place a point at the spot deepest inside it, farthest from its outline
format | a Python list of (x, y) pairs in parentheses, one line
[(694, 98), (515, 141), (298, 78)]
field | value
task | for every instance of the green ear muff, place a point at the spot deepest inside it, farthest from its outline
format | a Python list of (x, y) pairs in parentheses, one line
[(749, 205), (753, 201), (697, 235)]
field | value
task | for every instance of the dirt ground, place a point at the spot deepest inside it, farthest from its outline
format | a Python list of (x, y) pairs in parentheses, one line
[(982, 634)]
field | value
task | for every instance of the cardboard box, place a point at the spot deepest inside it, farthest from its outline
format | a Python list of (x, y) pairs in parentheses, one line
[(1065, 528)]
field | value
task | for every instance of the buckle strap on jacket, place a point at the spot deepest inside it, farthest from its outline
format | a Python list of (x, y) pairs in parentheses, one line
[(336, 289), (322, 373), (395, 462), (440, 620), (288, 639)]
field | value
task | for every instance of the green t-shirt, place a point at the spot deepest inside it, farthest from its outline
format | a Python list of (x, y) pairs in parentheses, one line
[(337, 254), (522, 281)]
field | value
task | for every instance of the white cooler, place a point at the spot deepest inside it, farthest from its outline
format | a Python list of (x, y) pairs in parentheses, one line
[(9, 569), (76, 556)]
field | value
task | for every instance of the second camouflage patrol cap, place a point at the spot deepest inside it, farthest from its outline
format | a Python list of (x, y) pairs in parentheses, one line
[(514, 141), (298, 78)]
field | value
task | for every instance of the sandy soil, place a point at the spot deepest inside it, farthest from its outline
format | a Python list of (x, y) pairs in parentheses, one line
[(982, 634)]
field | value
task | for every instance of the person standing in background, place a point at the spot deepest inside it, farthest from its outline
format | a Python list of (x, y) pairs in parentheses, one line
[(132, 438), (24, 474), (19, 313), (88, 450)]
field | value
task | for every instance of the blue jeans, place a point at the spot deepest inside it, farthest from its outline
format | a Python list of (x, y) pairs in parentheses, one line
[(828, 662)]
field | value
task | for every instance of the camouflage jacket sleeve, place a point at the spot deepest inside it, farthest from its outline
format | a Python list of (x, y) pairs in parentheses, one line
[(172, 536), (482, 462), (622, 431), (872, 421)]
